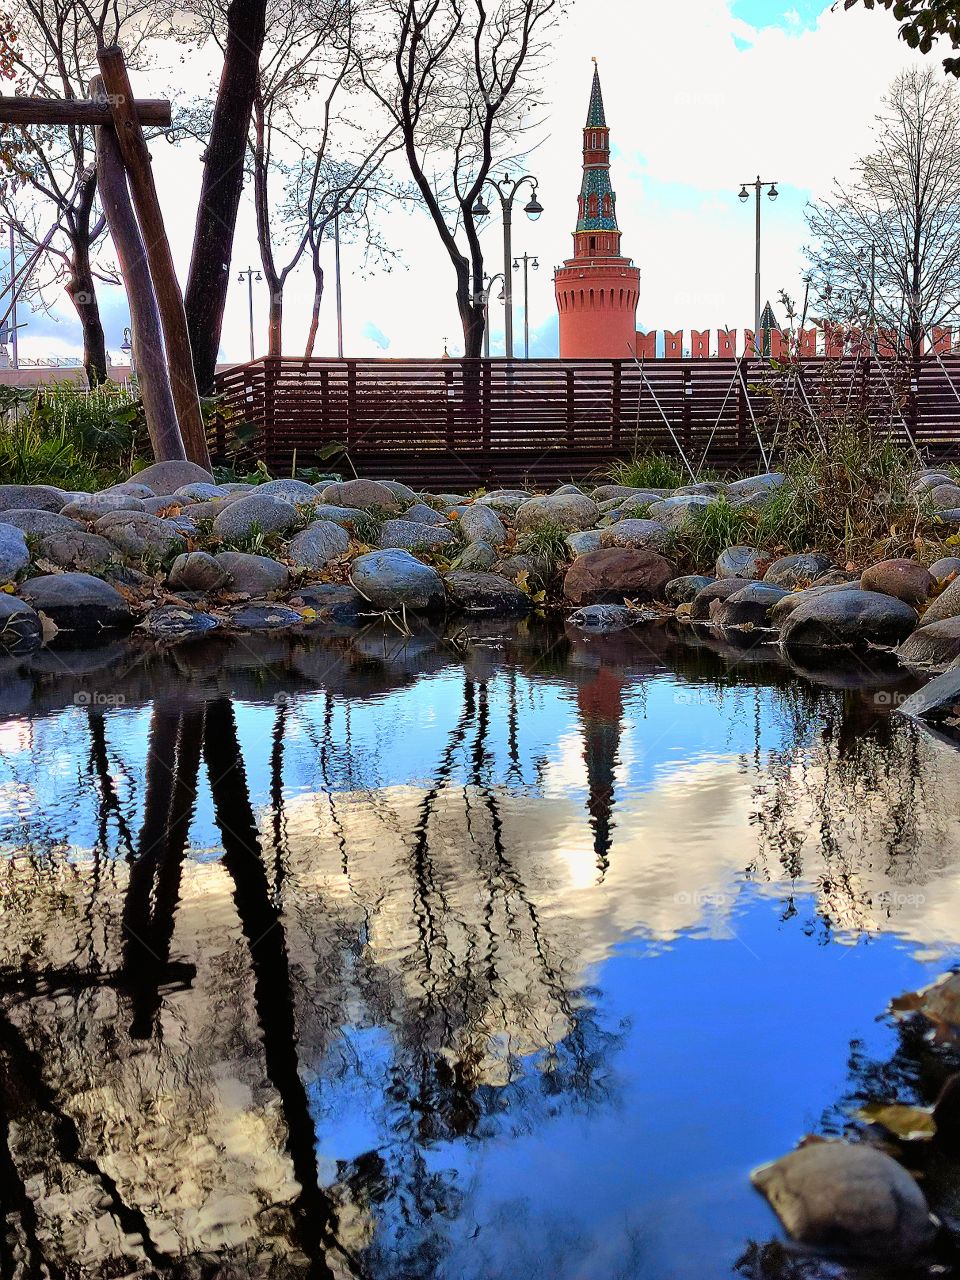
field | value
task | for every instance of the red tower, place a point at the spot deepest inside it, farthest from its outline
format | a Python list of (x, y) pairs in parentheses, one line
[(597, 289)]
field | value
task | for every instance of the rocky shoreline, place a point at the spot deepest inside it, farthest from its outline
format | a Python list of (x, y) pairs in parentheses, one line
[(177, 556)]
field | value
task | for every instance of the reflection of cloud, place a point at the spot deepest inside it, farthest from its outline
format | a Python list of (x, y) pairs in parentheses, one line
[(376, 336)]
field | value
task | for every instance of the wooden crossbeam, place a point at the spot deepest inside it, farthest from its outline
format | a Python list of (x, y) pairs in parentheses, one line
[(42, 111)]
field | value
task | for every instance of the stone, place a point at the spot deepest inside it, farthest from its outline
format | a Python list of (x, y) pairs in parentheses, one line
[(487, 593), (82, 607), (199, 491), (583, 543), (748, 607), (568, 488), (793, 599), (21, 631), (168, 477), (848, 619), (930, 480), (198, 510), (402, 492), (750, 485), (939, 699), (679, 513), (945, 568), (633, 508), (482, 524), (317, 545), (935, 645), (40, 523), (616, 492), (394, 579), (636, 533), (258, 512), (332, 601), (798, 570), (253, 575), (570, 511), (603, 619), (616, 574), (31, 497), (478, 556), (707, 488), (131, 489), (420, 513), (848, 1197), (197, 571), (345, 517), (505, 501), (682, 590), (182, 524), (137, 533), (946, 605), (448, 499), (717, 590), (906, 580), (946, 497), (296, 491), (76, 550), (14, 552), (949, 515), (406, 535), (741, 562), (538, 569), (367, 495), (172, 623), (94, 505), (264, 617)]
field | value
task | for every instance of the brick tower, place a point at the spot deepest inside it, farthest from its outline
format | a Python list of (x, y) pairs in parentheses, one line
[(597, 289)]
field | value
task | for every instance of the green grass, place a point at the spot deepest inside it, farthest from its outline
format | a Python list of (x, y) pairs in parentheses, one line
[(653, 471), (546, 540)]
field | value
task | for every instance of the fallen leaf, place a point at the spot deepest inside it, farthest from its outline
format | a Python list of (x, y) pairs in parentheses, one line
[(909, 1124)]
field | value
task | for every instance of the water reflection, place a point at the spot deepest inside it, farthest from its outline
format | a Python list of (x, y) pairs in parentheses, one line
[(429, 957)]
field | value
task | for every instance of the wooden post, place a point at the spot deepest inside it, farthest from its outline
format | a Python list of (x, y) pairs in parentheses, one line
[(615, 404), (571, 414), (148, 351), (51, 111), (136, 157)]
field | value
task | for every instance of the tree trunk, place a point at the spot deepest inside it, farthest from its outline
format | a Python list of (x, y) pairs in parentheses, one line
[(275, 320), (80, 288), (209, 277), (317, 299)]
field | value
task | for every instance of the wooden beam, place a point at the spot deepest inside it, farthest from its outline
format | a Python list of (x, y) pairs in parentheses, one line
[(149, 355), (24, 111), (136, 157)]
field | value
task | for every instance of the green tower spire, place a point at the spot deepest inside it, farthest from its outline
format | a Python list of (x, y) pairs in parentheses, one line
[(596, 119)]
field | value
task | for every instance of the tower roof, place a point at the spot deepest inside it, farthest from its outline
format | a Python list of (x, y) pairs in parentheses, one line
[(596, 119)]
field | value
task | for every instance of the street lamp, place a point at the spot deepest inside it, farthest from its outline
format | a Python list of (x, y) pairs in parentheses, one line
[(488, 283), (744, 197), (126, 346), (507, 189), (250, 275), (533, 262)]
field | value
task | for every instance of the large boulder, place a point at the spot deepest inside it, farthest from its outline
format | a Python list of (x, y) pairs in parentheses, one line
[(72, 550), (615, 574), (769, 482), (31, 497), (797, 570), (680, 513), (259, 512), (40, 523), (617, 492), (168, 477), (848, 619), (935, 645), (421, 513), (488, 593), (402, 492), (939, 699), (794, 599), (394, 579), (20, 628), (91, 506), (137, 533), (741, 562), (317, 545), (570, 511), (904, 579), (253, 575), (407, 535), (748, 607), (635, 533), (82, 607), (946, 605), (14, 552), (367, 495), (848, 1197), (682, 590), (197, 571), (482, 524), (296, 491), (720, 589)]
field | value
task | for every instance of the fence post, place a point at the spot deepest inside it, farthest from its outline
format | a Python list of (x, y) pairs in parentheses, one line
[(615, 403), (687, 410), (325, 403), (571, 410), (485, 407), (448, 394), (270, 372), (351, 402), (741, 417)]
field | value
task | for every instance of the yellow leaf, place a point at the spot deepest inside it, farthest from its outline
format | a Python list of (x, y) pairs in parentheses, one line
[(910, 1124), (8, 587)]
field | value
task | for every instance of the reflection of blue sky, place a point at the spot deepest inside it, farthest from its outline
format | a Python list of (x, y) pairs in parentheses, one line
[(791, 15)]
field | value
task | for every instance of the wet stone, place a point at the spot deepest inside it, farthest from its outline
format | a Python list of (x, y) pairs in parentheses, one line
[(84, 608), (20, 627), (253, 575), (264, 617), (488, 593), (682, 590), (173, 624)]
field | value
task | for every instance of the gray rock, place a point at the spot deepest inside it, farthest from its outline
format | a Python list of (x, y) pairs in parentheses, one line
[(448, 499), (31, 497), (939, 699), (72, 550), (488, 593), (537, 568), (137, 533), (402, 492), (368, 495), (946, 605), (741, 562), (173, 624), (200, 491), (797, 571), (198, 510), (570, 511), (707, 488), (82, 607), (345, 517), (504, 501), (949, 515), (260, 512), (700, 605), (332, 602), (41, 523), (253, 575), (317, 545), (482, 524), (750, 485), (848, 1197), (131, 489), (198, 571), (747, 608), (794, 599), (634, 508), (680, 513), (848, 619), (930, 480), (946, 497), (935, 645), (406, 535), (682, 590), (568, 488), (477, 556), (168, 477), (945, 568), (14, 552), (394, 579), (182, 524), (581, 544), (264, 617), (296, 491), (636, 533), (603, 619), (420, 513), (94, 505), (20, 627), (617, 492)]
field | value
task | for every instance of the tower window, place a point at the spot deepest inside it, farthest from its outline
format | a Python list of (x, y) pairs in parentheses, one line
[(593, 244)]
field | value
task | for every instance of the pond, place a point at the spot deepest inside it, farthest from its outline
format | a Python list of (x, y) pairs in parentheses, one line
[(462, 957)]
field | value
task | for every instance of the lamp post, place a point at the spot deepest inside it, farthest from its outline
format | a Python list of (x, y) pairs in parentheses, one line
[(532, 262), (507, 188), (488, 283), (744, 197), (250, 275), (126, 346)]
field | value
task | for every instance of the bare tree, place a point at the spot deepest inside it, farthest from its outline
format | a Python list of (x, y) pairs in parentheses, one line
[(890, 238), (461, 84)]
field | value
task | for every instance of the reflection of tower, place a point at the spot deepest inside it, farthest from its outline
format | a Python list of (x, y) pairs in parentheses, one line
[(600, 703), (597, 289)]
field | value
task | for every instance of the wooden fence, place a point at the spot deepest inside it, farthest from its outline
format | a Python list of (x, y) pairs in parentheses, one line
[(464, 423)]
